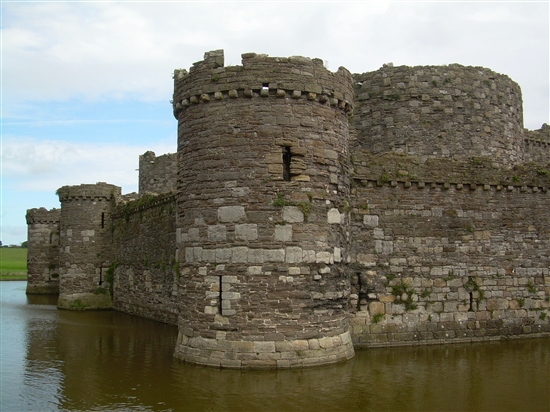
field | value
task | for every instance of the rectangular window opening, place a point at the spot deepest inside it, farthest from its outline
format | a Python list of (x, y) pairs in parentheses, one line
[(220, 296), (100, 276), (287, 157), (102, 220)]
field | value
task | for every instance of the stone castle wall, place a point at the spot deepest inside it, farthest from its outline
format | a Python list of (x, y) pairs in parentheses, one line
[(145, 270), (436, 257), (453, 111), (43, 242), (157, 174), (262, 282)]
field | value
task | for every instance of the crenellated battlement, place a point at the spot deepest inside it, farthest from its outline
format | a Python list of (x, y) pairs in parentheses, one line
[(42, 215), (262, 76), (99, 191)]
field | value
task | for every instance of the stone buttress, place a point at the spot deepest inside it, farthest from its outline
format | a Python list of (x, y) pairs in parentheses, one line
[(262, 212), (85, 245)]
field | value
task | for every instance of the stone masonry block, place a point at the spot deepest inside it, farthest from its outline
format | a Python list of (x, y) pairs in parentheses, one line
[(217, 233), (292, 214), (240, 254), (246, 231), (283, 233), (337, 254), (370, 220), (256, 256), (294, 254), (376, 308), (228, 214), (334, 216), (323, 257), (274, 255)]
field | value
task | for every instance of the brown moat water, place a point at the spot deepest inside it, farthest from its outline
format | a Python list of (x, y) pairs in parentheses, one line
[(109, 361)]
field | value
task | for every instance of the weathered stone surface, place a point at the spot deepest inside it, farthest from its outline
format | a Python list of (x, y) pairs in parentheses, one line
[(283, 222), (231, 213)]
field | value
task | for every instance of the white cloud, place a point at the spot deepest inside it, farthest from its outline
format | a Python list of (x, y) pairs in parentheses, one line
[(97, 50), (46, 165)]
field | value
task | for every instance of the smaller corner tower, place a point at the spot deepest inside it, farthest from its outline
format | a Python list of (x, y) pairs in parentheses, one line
[(43, 255), (85, 255)]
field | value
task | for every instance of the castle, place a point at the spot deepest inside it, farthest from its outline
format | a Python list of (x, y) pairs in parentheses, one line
[(307, 213)]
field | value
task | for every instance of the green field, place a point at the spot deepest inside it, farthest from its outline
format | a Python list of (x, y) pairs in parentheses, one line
[(13, 263)]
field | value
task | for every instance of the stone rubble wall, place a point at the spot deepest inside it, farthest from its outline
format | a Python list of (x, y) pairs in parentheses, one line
[(157, 174), (145, 268), (85, 249), (261, 257), (453, 112), (43, 251), (437, 260)]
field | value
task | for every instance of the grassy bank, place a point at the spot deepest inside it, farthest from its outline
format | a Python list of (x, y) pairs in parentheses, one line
[(13, 263)]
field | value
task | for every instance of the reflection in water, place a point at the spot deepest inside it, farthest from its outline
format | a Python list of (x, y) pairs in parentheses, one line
[(62, 360)]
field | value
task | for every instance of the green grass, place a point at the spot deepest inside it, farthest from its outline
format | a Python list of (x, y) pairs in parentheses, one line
[(13, 263)]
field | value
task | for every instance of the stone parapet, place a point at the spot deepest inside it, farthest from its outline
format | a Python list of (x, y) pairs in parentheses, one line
[(262, 76)]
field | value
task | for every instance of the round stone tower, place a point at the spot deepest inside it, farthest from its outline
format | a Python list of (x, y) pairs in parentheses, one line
[(84, 249), (262, 213), (43, 251), (452, 111)]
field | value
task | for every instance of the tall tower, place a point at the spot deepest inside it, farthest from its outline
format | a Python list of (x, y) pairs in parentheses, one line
[(262, 225), (43, 251), (85, 255)]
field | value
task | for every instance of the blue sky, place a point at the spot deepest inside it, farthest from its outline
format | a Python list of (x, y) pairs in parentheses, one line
[(86, 85)]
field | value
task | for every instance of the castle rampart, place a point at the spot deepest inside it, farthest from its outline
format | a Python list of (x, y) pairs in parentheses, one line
[(43, 241), (453, 112), (307, 212)]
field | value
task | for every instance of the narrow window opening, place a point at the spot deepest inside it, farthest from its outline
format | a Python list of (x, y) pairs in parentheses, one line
[(287, 157), (100, 276), (51, 237), (265, 85), (220, 296), (471, 302), (102, 220)]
